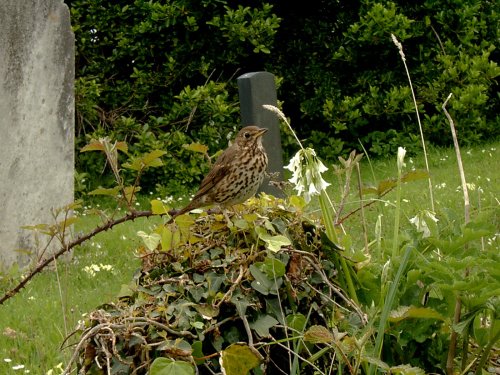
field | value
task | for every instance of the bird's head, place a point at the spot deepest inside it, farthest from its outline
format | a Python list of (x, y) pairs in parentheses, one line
[(250, 136)]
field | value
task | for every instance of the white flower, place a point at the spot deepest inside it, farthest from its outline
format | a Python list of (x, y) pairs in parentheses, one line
[(306, 171), (17, 367), (401, 158), (419, 221)]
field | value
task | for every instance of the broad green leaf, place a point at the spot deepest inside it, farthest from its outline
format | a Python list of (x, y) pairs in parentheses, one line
[(150, 240), (101, 145), (150, 159), (198, 352), (239, 359), (158, 207), (406, 370), (318, 335), (406, 312), (179, 347), (207, 311), (167, 366), (103, 191), (93, 146), (63, 224), (130, 192), (297, 202), (415, 175), (262, 283), (169, 238), (196, 147), (126, 290), (263, 324), (296, 322), (273, 267), (273, 243)]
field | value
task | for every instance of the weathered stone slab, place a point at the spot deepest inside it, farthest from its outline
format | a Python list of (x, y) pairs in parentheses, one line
[(36, 120), (256, 89)]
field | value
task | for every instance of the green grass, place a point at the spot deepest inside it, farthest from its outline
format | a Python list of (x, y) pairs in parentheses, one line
[(34, 323)]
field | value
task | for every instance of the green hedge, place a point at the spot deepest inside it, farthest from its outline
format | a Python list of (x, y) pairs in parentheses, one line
[(162, 74)]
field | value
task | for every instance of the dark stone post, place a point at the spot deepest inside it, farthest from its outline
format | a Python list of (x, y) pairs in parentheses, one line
[(256, 89)]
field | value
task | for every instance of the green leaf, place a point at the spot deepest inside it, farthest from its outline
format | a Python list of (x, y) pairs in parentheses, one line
[(167, 366), (150, 240), (196, 147), (406, 312), (262, 283), (239, 359), (296, 322), (198, 352), (103, 191), (273, 243), (273, 267), (263, 324), (158, 207), (318, 335), (150, 159)]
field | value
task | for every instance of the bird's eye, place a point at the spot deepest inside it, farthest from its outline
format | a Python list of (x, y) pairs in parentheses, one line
[(246, 135)]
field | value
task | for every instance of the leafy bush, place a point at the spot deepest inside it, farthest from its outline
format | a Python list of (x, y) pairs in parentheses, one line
[(347, 82), (148, 70)]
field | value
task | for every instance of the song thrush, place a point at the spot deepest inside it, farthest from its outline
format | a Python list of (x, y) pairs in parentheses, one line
[(235, 176)]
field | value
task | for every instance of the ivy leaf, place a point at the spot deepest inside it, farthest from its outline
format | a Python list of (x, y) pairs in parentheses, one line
[(274, 268), (167, 366), (238, 359), (263, 324), (262, 283), (273, 243)]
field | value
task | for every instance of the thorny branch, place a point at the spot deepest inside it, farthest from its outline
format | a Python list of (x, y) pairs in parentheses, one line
[(67, 247)]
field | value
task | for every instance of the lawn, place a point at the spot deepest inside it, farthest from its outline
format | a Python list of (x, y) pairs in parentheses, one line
[(35, 322)]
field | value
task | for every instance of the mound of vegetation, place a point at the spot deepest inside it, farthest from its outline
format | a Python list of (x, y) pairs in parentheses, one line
[(257, 294)]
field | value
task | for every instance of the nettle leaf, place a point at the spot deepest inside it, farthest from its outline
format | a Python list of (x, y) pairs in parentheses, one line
[(263, 324), (406, 312), (167, 366), (239, 359), (196, 147), (150, 159), (318, 335)]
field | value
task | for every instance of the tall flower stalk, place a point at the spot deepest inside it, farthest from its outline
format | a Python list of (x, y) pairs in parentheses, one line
[(308, 181)]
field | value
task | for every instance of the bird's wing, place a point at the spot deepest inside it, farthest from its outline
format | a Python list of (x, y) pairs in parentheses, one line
[(218, 171)]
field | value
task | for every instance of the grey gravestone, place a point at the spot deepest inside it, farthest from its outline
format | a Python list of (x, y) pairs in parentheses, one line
[(256, 89), (36, 121)]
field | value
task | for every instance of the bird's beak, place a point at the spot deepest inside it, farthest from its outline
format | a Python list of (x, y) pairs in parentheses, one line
[(260, 132)]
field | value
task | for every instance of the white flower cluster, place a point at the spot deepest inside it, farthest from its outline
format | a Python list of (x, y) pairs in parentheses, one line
[(94, 268), (307, 169)]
